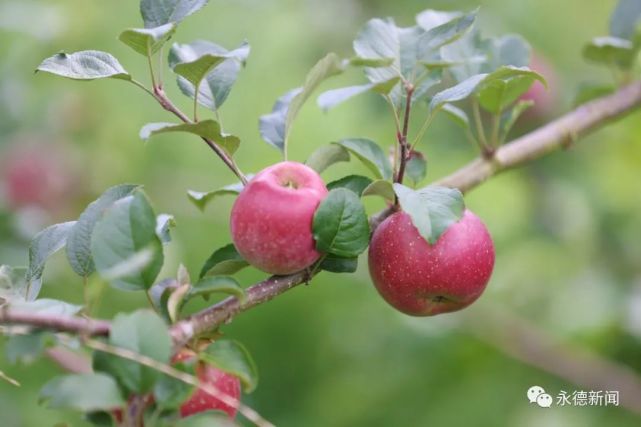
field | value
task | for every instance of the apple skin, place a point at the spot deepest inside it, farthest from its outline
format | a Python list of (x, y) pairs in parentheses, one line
[(420, 279), (545, 100), (36, 175), (271, 220), (200, 400)]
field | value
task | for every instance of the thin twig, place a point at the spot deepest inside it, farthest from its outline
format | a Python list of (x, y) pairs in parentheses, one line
[(540, 142), (553, 136), (480, 130), (402, 138), (581, 121), (55, 322), (161, 97), (8, 379), (228, 400)]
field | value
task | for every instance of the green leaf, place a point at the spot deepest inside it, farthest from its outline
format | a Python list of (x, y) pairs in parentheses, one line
[(209, 129), (355, 183), (416, 167), (13, 285), (176, 301), (195, 71), (233, 358), (327, 67), (214, 285), (458, 116), (126, 230), (457, 93), (431, 18), (336, 264), (424, 85), (381, 188), (142, 332), (379, 40), (135, 263), (275, 126), (47, 306), (84, 65), (435, 38), (223, 261), (480, 82), (83, 392), (202, 199), (611, 50), (590, 91), (625, 19), (159, 295), (468, 56), (163, 223), (171, 393), (217, 84), (508, 50), (432, 209), (327, 155), (332, 98), (44, 244), (340, 224), (147, 41), (497, 95), (370, 154), (472, 54), (27, 348), (159, 12), (79, 238), (509, 119), (357, 61), (272, 126)]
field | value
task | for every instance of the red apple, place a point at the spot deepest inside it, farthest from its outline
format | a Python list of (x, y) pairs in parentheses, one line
[(202, 401), (420, 279), (545, 99), (271, 221), (36, 175)]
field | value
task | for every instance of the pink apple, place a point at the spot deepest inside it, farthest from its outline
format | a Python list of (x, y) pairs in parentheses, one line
[(36, 175), (545, 100), (271, 221), (202, 401), (422, 279)]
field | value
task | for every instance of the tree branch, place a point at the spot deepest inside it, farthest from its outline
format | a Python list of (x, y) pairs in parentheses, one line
[(553, 136), (77, 325), (550, 137), (165, 102), (528, 343), (225, 310)]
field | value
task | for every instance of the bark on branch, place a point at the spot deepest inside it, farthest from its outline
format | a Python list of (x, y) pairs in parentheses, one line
[(548, 138)]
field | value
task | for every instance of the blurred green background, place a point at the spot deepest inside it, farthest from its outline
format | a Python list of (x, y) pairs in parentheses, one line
[(566, 228)]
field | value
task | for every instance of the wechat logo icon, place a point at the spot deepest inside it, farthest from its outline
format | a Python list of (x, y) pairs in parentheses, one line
[(536, 394)]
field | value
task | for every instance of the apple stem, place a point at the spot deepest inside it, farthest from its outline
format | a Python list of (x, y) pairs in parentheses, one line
[(553, 136), (402, 137)]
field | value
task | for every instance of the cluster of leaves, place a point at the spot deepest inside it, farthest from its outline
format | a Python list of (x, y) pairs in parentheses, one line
[(441, 60), (119, 237), (618, 51), (200, 64), (441, 63)]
